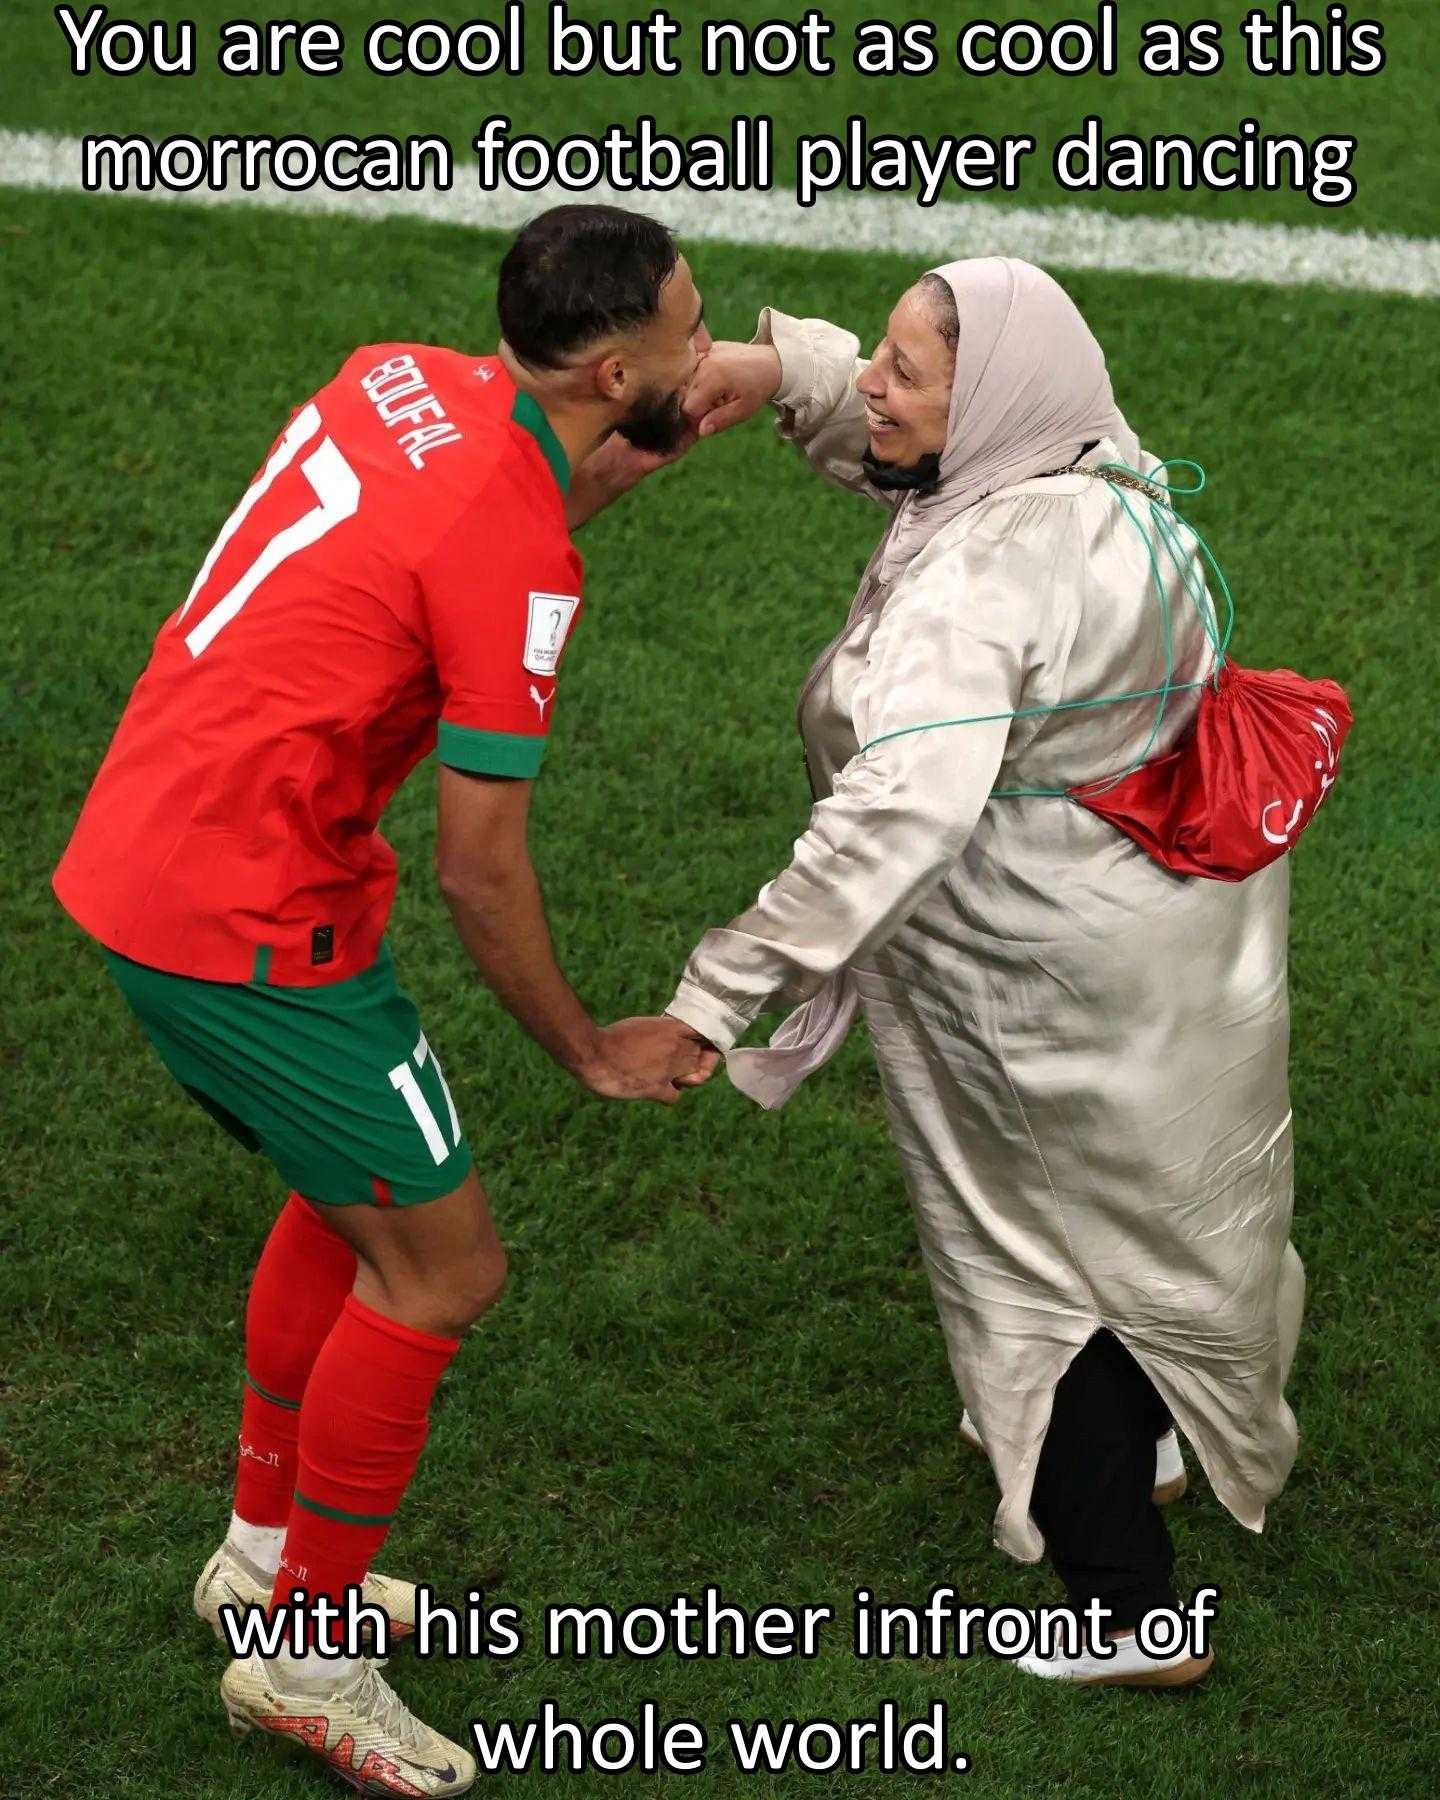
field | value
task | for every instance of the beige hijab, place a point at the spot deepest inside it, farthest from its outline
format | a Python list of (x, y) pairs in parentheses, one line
[(1031, 390)]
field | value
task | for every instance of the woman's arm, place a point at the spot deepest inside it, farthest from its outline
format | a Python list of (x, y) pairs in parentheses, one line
[(820, 409), (953, 643), (807, 369)]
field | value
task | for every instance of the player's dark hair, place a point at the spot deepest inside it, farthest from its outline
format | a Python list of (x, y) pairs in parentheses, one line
[(577, 274)]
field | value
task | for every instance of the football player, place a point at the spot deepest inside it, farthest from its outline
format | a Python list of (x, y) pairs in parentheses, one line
[(399, 578)]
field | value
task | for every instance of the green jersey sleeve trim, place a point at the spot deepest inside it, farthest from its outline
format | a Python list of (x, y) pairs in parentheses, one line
[(488, 752), (530, 415)]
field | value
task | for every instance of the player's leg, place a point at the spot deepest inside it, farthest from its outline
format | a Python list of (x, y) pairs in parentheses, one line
[(424, 1274), (437, 1267), (432, 1266), (340, 1089), (301, 1281)]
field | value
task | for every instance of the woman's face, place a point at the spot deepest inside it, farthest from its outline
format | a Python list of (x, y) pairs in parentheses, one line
[(907, 386)]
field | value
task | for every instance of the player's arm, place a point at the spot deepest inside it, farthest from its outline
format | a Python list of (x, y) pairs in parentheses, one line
[(611, 471), (484, 868), (483, 864)]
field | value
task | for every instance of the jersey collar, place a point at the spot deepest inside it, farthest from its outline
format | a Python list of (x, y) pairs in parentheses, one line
[(530, 416)]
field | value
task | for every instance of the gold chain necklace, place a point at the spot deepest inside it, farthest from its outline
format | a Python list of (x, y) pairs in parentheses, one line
[(1118, 476)]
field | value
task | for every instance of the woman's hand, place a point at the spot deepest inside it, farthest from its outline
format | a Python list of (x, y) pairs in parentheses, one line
[(707, 1062), (732, 383)]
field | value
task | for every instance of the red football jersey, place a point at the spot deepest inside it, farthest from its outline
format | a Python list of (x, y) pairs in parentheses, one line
[(400, 567)]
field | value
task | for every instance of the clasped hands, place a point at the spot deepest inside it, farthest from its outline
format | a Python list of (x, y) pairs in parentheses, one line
[(648, 1059)]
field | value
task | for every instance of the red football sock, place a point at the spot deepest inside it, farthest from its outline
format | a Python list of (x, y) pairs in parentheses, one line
[(362, 1428), (300, 1283)]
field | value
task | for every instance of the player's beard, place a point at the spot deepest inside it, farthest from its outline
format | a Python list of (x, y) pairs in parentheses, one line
[(655, 423)]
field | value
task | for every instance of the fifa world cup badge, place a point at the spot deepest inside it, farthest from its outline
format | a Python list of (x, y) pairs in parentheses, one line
[(546, 630)]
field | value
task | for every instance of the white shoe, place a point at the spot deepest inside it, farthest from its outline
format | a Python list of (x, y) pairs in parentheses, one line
[(1171, 1480), (231, 1578), (1128, 1667), (362, 1730)]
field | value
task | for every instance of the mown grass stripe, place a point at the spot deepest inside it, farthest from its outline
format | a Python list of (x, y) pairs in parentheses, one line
[(1056, 237)]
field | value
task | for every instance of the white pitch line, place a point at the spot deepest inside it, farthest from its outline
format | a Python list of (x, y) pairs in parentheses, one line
[(1055, 237)]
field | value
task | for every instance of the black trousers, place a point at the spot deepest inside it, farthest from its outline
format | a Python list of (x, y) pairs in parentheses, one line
[(1104, 1535)]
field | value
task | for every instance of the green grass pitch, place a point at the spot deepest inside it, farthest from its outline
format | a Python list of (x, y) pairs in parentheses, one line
[(717, 1361)]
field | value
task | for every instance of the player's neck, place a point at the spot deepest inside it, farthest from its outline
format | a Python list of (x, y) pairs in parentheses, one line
[(580, 425), (580, 429)]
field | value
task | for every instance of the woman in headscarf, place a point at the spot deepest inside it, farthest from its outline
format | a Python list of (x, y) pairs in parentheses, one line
[(1083, 1056)]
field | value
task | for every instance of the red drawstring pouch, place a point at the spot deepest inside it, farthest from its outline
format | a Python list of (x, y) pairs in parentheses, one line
[(1259, 757), (1262, 754)]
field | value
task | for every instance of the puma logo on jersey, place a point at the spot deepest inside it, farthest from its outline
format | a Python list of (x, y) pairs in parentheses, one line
[(541, 700)]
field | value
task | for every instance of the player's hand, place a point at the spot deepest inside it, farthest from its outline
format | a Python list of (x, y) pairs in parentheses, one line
[(619, 466), (646, 1059), (733, 382), (612, 470)]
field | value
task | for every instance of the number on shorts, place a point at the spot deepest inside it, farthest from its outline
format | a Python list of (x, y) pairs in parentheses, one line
[(402, 1076), (337, 488)]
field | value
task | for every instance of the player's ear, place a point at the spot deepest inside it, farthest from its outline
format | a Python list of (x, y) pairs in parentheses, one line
[(610, 378)]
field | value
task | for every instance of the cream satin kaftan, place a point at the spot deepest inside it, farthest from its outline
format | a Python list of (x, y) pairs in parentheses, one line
[(1083, 1057)]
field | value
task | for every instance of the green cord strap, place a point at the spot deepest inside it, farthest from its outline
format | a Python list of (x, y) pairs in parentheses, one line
[(1219, 643)]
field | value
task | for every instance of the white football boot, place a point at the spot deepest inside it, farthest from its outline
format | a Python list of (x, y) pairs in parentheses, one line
[(230, 1577), (361, 1729), (1128, 1667), (1171, 1480)]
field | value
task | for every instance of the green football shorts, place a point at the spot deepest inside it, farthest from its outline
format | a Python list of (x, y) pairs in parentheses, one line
[(335, 1084)]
